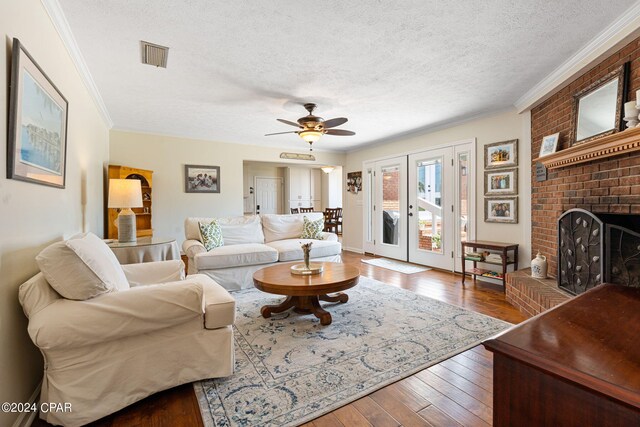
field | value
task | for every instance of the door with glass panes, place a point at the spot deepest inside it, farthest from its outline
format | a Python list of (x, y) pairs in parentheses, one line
[(421, 209)]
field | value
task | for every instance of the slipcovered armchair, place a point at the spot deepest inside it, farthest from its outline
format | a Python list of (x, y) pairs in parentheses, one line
[(104, 352)]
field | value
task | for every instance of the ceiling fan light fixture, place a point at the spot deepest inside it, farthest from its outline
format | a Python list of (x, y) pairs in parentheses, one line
[(310, 136), (327, 169)]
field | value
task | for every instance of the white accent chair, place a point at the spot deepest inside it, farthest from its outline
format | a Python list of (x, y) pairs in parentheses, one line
[(106, 352)]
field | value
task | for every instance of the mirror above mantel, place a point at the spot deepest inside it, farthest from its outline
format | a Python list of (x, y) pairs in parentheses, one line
[(597, 109)]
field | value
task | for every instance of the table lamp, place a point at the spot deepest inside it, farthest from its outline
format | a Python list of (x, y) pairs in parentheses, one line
[(125, 194)]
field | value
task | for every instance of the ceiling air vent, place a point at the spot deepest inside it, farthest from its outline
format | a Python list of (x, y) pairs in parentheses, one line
[(154, 54)]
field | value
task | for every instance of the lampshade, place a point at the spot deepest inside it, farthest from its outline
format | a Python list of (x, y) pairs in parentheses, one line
[(125, 193), (310, 136), (327, 169)]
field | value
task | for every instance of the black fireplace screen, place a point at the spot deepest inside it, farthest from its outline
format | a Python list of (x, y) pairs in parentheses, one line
[(580, 249), (624, 249), (593, 248)]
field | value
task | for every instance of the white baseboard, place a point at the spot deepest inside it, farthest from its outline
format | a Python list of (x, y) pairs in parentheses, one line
[(26, 418), (356, 250)]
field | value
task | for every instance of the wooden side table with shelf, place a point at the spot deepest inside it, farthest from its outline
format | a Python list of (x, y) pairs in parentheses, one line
[(502, 248)]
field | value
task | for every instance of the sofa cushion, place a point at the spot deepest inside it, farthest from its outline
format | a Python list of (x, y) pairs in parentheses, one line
[(312, 229), (290, 250), (211, 234), (81, 268), (236, 255), (281, 227), (235, 230)]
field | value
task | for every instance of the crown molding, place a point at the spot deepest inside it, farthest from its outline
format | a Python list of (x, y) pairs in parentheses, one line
[(62, 26), (616, 35)]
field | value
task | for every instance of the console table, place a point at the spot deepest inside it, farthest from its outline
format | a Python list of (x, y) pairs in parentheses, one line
[(577, 364), (504, 249)]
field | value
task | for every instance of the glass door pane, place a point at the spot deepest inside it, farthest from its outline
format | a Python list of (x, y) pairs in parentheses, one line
[(429, 204), (463, 194), (368, 185), (390, 204)]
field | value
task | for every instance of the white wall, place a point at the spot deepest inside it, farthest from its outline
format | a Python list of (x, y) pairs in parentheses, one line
[(167, 155), (499, 127), (32, 216), (332, 189)]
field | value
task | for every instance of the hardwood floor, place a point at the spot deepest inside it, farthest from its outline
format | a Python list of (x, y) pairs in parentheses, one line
[(455, 392)]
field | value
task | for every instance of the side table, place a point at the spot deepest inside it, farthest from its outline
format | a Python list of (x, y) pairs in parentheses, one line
[(504, 249), (146, 249)]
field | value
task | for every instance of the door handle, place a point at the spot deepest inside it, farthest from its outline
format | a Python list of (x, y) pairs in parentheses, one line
[(410, 214), (410, 206)]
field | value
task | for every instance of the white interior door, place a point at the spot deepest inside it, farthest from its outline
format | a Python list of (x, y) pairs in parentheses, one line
[(268, 193)]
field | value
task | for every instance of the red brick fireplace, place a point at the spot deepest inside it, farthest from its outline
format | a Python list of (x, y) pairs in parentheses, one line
[(610, 185), (607, 186)]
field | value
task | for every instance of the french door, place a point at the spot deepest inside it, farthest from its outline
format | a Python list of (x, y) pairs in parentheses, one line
[(385, 186), (419, 207)]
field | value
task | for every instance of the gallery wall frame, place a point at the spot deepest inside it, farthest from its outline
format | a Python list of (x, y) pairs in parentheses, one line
[(502, 154), (501, 210), (38, 118), (501, 182)]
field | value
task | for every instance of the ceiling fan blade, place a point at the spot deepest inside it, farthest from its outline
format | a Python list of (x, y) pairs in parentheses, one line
[(287, 122), (331, 123), (280, 133), (339, 132)]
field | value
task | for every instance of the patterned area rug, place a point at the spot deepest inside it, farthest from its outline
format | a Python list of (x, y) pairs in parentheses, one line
[(399, 266), (290, 369)]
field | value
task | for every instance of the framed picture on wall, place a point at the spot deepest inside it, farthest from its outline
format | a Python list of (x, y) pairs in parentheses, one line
[(37, 138), (501, 209), (501, 154), (501, 182), (549, 144), (201, 179), (354, 182)]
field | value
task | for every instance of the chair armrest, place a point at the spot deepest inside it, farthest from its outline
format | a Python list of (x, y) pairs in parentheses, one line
[(151, 273), (330, 237), (193, 248), (115, 315)]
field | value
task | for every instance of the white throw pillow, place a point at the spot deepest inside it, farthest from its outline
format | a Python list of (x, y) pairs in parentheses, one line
[(282, 227), (72, 278)]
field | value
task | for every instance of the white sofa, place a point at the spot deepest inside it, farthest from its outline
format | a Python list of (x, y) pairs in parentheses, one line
[(103, 353), (251, 243)]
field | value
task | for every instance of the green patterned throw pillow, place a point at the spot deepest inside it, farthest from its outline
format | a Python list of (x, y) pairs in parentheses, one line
[(312, 229), (211, 235)]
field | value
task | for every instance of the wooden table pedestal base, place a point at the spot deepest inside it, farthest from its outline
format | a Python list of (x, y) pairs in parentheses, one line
[(306, 305)]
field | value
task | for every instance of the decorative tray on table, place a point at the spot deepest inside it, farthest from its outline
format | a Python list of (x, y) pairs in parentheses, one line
[(302, 269)]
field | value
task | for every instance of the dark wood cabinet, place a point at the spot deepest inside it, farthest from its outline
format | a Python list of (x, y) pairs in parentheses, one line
[(575, 365)]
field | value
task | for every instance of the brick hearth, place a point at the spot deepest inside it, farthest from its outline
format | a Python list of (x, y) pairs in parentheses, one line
[(533, 296)]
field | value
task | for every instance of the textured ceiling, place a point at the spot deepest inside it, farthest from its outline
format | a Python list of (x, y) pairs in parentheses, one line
[(391, 67)]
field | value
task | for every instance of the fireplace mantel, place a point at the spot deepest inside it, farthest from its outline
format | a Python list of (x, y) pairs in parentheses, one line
[(616, 144)]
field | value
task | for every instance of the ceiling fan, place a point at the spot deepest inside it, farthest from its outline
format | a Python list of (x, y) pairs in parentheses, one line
[(313, 127)]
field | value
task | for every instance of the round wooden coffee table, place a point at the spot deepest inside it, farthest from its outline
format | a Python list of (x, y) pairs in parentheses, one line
[(305, 292)]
